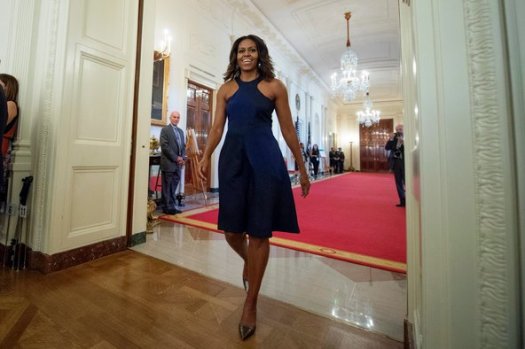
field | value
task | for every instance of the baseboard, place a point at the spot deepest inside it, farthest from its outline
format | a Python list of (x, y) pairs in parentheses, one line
[(408, 335), (51, 263), (137, 239)]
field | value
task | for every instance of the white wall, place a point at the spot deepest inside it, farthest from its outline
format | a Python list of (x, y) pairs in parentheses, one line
[(27, 36), (6, 6)]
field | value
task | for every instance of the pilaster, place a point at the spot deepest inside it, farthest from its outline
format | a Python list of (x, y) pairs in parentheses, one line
[(495, 186)]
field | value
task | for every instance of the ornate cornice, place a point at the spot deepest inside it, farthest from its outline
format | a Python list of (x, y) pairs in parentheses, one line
[(488, 164), (271, 34)]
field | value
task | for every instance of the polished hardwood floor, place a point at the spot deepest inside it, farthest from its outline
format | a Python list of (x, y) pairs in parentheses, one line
[(130, 300)]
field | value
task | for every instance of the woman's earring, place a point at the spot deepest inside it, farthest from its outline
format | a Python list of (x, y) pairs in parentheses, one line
[(259, 65)]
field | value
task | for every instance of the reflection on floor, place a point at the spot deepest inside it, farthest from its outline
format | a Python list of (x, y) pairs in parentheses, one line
[(369, 298), (130, 300)]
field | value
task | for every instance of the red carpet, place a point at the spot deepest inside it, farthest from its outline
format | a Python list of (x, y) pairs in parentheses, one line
[(352, 217)]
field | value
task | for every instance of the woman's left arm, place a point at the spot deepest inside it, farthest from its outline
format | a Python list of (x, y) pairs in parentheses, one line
[(284, 115), (12, 111)]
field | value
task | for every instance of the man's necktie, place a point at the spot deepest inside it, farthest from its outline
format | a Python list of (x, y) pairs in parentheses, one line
[(177, 137)]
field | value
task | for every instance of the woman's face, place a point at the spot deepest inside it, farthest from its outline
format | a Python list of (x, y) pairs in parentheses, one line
[(247, 55)]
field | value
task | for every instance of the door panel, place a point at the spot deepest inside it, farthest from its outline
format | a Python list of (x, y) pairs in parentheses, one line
[(88, 186), (105, 22), (91, 119), (97, 119), (372, 146)]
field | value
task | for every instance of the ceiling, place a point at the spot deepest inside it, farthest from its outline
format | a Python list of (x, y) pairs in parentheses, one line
[(317, 31)]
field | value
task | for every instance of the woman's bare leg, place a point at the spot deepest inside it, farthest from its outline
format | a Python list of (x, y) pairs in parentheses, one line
[(239, 244), (258, 253)]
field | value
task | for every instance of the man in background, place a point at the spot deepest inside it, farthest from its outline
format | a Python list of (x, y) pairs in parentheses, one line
[(340, 160), (396, 159), (331, 156), (172, 158)]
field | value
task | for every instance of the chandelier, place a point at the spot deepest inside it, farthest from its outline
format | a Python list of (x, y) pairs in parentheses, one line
[(349, 83), (368, 116)]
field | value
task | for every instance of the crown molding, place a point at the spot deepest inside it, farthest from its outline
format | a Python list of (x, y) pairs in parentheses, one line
[(271, 34)]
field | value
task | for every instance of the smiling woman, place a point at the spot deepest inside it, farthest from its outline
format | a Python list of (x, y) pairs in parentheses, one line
[(254, 186)]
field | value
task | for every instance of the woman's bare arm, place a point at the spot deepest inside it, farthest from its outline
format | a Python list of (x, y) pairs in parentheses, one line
[(284, 116), (217, 129), (12, 111)]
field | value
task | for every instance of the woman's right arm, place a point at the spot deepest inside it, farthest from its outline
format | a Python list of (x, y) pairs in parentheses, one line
[(215, 135)]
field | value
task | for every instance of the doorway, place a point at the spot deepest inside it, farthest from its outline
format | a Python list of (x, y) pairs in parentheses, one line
[(372, 146), (198, 118)]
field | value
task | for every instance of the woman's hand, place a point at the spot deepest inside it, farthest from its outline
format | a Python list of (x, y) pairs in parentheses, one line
[(203, 168), (305, 185)]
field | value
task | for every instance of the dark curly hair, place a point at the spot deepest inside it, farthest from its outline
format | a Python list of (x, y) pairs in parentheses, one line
[(264, 65)]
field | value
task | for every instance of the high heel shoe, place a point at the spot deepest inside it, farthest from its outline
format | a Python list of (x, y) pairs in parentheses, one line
[(245, 284), (246, 331)]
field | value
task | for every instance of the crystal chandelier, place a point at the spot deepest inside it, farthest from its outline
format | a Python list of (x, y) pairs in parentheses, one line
[(349, 82), (368, 116)]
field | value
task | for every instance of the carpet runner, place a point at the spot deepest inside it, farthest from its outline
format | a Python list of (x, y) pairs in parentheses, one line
[(350, 217)]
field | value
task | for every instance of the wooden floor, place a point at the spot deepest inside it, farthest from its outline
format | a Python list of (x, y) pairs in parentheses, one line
[(129, 300)]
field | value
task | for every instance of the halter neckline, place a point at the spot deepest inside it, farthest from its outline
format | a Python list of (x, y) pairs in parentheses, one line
[(257, 79)]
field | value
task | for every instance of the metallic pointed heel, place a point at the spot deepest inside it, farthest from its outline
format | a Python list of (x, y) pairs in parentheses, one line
[(245, 284), (246, 331)]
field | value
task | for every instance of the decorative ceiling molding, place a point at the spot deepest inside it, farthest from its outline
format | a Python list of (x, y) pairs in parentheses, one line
[(247, 9), (315, 30)]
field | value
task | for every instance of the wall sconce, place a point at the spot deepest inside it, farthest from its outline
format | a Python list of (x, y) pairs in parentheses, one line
[(164, 49)]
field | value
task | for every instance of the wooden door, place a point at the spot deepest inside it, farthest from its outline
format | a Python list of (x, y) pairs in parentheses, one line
[(198, 115), (372, 146), (95, 124)]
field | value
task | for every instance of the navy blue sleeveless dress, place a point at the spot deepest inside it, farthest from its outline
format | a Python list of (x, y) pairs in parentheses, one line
[(255, 194)]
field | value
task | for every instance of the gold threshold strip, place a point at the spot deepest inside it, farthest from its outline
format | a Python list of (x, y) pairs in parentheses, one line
[(296, 245)]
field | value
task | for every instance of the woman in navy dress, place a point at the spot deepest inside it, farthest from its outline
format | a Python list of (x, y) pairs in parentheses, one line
[(255, 195)]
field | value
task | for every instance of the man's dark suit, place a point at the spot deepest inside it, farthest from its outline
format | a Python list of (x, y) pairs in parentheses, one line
[(339, 160), (396, 161), (171, 149)]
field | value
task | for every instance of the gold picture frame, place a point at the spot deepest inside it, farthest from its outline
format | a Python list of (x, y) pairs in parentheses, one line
[(159, 93)]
